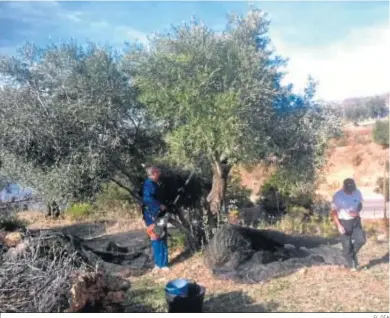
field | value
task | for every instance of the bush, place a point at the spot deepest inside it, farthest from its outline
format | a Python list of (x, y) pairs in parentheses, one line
[(236, 194), (113, 200), (381, 133), (177, 240), (79, 211), (272, 200), (299, 221), (277, 197), (11, 223), (111, 192)]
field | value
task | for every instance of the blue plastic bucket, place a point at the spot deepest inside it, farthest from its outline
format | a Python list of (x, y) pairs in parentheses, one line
[(177, 287), (192, 302)]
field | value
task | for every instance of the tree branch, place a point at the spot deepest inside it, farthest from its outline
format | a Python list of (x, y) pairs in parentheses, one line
[(132, 193)]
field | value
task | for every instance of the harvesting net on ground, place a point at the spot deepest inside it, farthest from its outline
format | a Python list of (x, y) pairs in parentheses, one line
[(250, 256), (50, 271)]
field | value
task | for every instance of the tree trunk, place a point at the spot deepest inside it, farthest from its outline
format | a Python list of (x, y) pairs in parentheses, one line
[(53, 210), (216, 196)]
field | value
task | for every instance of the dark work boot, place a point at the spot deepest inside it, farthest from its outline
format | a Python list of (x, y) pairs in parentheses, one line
[(355, 263)]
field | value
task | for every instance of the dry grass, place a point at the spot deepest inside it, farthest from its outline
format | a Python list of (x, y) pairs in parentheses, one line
[(376, 227), (115, 222), (317, 289), (37, 220)]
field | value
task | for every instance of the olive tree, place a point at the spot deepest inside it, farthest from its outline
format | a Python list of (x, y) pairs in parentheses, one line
[(70, 120), (219, 96)]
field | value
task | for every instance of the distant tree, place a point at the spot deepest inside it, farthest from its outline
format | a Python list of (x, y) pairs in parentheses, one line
[(381, 133), (377, 107), (365, 108)]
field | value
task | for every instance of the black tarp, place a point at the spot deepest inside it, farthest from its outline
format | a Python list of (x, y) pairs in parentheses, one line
[(249, 256), (129, 253)]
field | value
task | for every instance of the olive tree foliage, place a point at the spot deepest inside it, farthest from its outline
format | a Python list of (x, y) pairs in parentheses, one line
[(302, 129), (3, 182), (218, 96), (70, 120)]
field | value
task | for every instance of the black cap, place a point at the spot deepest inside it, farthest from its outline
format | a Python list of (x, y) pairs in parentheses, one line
[(349, 184)]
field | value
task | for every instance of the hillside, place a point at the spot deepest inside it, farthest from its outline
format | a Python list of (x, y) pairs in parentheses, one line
[(361, 108), (353, 155), (357, 156), (353, 101)]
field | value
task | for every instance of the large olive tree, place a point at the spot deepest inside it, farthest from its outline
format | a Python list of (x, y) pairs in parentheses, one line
[(219, 96), (70, 120)]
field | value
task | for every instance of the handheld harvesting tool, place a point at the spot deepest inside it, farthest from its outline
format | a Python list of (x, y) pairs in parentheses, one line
[(157, 230)]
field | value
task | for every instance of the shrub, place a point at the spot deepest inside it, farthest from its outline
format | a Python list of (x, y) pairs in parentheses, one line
[(177, 240), (277, 196), (297, 221), (381, 133), (79, 211), (341, 139), (236, 193), (11, 223), (273, 201), (115, 201)]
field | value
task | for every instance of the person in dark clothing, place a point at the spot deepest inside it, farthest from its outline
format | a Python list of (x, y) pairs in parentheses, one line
[(347, 204), (152, 207)]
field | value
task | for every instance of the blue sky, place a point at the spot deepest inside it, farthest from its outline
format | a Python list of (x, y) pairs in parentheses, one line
[(344, 45)]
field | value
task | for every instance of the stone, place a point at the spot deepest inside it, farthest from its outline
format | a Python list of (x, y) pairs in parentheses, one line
[(382, 237), (13, 239)]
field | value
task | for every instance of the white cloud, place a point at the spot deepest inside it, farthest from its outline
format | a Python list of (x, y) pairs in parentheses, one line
[(356, 66), (74, 16), (99, 24), (126, 33), (117, 34)]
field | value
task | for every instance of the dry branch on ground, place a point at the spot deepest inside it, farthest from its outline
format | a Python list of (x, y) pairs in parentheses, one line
[(54, 272)]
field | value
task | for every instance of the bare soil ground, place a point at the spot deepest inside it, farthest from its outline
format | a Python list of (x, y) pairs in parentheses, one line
[(316, 289), (354, 155)]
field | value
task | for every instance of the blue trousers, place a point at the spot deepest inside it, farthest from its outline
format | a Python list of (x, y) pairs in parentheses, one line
[(160, 252)]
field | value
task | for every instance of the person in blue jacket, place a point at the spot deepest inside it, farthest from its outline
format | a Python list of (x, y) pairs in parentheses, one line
[(151, 209)]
